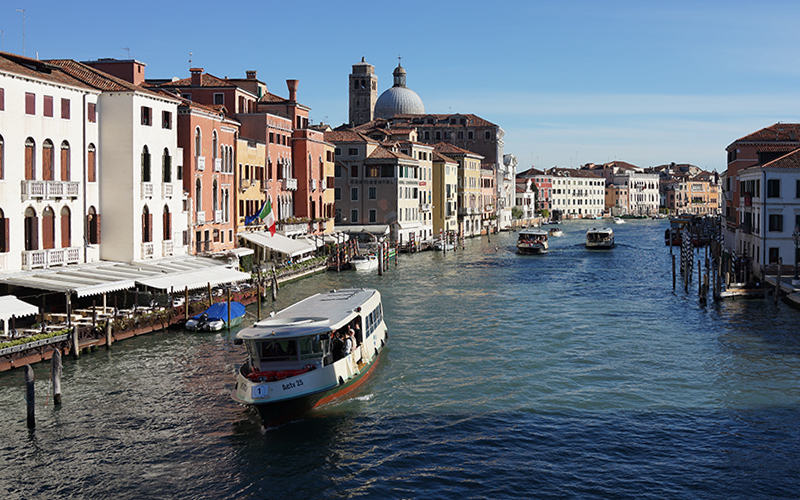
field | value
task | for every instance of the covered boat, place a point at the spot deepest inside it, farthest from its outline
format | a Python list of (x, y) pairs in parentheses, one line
[(532, 241), (215, 318), (367, 262), (600, 237), (294, 360)]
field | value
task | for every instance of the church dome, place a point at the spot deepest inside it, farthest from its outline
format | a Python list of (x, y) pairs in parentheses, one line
[(399, 100)]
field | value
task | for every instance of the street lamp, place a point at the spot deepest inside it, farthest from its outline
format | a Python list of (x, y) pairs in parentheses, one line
[(796, 240)]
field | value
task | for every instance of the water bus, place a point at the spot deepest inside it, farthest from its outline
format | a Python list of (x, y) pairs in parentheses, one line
[(292, 365), (532, 241), (600, 237)]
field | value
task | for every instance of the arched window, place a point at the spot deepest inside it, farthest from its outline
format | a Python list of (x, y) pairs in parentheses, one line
[(4, 243), (167, 224), (214, 144), (145, 164), (66, 228), (91, 165), (166, 166), (48, 228), (226, 203), (65, 167), (214, 196), (147, 225), (198, 142), (47, 160), (31, 229), (93, 222), (30, 159), (198, 196)]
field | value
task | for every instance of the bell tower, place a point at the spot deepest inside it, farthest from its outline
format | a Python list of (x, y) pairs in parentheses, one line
[(363, 93)]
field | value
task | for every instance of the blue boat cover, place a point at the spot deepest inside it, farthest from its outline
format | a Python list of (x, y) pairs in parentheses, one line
[(220, 311)]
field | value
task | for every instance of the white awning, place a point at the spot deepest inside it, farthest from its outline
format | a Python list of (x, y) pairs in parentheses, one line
[(241, 252), (12, 306), (81, 280), (278, 243), (213, 276)]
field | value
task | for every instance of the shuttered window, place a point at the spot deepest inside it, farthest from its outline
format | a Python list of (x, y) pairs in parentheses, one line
[(30, 158), (65, 109), (167, 224), (2, 99), (31, 233), (47, 161), (66, 231), (48, 105), (30, 103), (91, 113), (4, 235), (65, 167), (94, 228), (48, 230)]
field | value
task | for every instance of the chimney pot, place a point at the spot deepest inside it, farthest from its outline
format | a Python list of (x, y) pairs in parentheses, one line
[(251, 74), (292, 84), (197, 75)]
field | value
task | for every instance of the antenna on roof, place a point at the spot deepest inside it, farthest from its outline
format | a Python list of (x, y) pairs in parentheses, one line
[(190, 60), (23, 30), (129, 51)]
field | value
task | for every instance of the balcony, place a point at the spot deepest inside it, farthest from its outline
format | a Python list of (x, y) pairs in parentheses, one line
[(289, 184), (200, 217), (148, 250), (746, 227), (425, 207), (147, 190), (42, 259), (200, 163), (218, 216), (167, 248), (266, 186), (3, 262), (313, 184), (217, 164), (166, 190), (292, 228), (747, 201), (49, 190)]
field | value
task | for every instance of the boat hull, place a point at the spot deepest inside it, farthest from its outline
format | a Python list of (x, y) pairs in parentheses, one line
[(531, 250)]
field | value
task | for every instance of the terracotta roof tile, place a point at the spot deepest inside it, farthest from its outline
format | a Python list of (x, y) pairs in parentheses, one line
[(35, 68), (381, 153), (791, 160), (346, 136), (446, 148), (100, 80), (441, 158), (780, 132), (272, 98), (206, 80)]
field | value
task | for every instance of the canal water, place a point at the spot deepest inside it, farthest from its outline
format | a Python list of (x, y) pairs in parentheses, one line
[(575, 374)]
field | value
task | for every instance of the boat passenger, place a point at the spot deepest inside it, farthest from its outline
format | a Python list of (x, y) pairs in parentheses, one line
[(348, 344), (338, 346), (358, 336)]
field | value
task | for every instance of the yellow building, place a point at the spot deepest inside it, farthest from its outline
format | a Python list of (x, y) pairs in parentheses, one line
[(445, 195), (469, 187), (251, 186)]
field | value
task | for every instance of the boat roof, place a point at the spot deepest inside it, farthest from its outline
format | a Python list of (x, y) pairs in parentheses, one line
[(313, 315), (535, 231), (600, 230)]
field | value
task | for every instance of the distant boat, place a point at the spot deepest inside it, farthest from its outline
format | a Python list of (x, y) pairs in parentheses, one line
[(617, 220), (532, 241), (556, 232), (215, 318), (443, 246), (600, 238)]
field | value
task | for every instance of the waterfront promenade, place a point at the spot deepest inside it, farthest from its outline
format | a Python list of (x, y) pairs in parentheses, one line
[(574, 374)]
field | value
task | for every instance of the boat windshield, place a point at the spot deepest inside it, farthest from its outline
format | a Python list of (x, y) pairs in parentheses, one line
[(314, 346)]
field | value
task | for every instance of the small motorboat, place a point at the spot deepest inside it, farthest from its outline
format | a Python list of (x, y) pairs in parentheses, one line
[(215, 318), (365, 262), (617, 220), (443, 246), (557, 232)]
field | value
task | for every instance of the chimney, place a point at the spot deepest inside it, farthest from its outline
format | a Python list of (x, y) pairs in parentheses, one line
[(292, 84), (197, 75), (251, 74)]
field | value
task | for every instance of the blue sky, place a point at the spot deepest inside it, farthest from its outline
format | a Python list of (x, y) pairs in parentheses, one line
[(570, 82)]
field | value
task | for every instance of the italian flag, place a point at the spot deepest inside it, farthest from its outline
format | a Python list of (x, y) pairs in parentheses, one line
[(267, 217)]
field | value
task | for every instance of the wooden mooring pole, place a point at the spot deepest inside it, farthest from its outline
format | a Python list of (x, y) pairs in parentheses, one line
[(229, 308), (258, 299), (76, 349), (30, 397), (673, 270), (778, 279), (55, 370)]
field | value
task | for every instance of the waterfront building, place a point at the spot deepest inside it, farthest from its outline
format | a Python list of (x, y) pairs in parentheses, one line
[(577, 193), (526, 198), (757, 148), (617, 197), (423, 153), (208, 139), (770, 213), (49, 177), (137, 127), (314, 158), (250, 180), (544, 188), (469, 191), (488, 200), (445, 195), (376, 188), (696, 195), (641, 187)]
